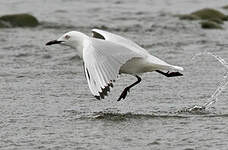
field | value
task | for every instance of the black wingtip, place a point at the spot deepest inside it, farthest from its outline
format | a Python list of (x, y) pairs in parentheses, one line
[(101, 95), (97, 97), (97, 35), (104, 91)]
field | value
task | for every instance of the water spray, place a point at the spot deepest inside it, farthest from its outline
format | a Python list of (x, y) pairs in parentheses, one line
[(219, 89)]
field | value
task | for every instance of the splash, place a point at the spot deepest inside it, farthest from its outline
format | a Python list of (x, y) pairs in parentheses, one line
[(217, 92)]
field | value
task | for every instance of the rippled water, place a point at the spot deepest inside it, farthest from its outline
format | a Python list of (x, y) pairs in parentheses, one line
[(45, 100)]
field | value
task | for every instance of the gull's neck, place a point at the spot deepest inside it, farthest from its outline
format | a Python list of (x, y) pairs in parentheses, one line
[(79, 42)]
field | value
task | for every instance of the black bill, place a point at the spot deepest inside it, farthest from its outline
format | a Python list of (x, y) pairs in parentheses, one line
[(53, 42)]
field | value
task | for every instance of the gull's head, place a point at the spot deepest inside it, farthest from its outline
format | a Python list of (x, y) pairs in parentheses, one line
[(73, 39)]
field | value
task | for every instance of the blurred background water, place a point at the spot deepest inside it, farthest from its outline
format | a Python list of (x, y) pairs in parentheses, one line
[(46, 102)]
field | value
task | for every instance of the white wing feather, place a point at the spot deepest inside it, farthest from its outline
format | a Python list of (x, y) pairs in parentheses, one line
[(120, 41), (135, 48), (102, 62)]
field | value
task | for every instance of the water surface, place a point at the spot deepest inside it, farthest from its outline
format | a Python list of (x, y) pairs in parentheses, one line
[(46, 102)]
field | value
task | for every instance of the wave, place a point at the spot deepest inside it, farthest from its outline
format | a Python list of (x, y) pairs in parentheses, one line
[(217, 115), (53, 25), (117, 116), (125, 116)]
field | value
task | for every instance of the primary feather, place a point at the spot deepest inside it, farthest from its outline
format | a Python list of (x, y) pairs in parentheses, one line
[(103, 60)]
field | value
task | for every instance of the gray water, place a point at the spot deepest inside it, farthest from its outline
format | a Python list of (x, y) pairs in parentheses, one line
[(45, 102)]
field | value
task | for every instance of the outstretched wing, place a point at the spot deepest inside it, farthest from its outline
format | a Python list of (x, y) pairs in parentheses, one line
[(102, 61), (97, 33)]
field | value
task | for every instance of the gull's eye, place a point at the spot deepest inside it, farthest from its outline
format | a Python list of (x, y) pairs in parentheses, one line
[(67, 37)]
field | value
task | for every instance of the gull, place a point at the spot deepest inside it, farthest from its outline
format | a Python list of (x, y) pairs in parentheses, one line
[(106, 55)]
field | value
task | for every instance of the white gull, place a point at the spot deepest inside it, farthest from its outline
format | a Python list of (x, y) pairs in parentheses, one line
[(105, 55)]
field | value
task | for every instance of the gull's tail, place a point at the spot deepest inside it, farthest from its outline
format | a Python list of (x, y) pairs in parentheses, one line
[(176, 68), (160, 64), (171, 74)]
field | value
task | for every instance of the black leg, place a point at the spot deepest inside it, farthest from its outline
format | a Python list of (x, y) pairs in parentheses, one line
[(170, 74), (127, 89)]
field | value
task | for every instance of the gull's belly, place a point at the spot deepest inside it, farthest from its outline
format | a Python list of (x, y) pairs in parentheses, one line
[(137, 66)]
